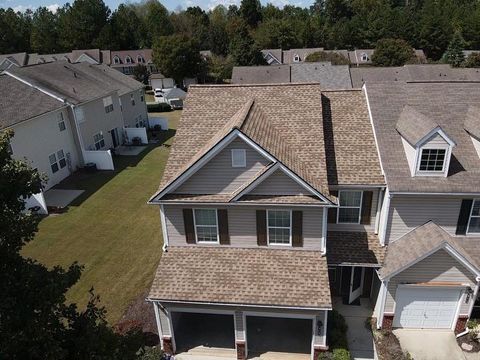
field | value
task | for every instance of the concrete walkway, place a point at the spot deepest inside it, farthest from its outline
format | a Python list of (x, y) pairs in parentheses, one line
[(360, 339), (430, 344)]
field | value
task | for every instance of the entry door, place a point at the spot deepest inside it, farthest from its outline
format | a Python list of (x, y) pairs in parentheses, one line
[(114, 137), (356, 283)]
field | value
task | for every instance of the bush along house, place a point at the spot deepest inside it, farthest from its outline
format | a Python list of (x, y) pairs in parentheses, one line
[(277, 199)]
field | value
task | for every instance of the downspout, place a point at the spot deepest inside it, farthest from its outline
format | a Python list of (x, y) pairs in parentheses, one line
[(324, 230), (164, 228), (382, 304), (386, 212), (381, 195)]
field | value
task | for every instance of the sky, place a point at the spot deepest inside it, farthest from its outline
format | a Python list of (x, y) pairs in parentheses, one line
[(22, 5)]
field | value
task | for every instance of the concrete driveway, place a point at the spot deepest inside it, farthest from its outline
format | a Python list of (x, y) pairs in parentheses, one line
[(429, 344)]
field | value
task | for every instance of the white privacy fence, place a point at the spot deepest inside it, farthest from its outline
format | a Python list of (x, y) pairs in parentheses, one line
[(140, 132), (103, 159), (37, 200)]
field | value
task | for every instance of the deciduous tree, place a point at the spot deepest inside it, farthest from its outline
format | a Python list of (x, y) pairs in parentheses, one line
[(392, 52)]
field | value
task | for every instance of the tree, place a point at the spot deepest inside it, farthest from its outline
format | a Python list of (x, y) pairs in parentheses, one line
[(219, 38), (473, 60), (15, 31), (392, 52), (81, 23), (334, 58), (36, 323), (157, 21), (127, 29), (251, 12), (454, 54), (176, 56), (44, 36), (140, 73), (277, 33), (243, 49), (219, 69)]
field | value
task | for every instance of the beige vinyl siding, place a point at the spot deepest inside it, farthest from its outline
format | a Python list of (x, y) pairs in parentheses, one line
[(440, 266), (436, 140), (410, 153), (218, 176), (408, 212), (132, 112), (242, 226), (239, 326), (360, 227), (279, 183)]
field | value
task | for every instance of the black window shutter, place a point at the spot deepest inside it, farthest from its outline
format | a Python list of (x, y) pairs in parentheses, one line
[(464, 216), (297, 229), (189, 227), (262, 227), (222, 217), (366, 207), (332, 212)]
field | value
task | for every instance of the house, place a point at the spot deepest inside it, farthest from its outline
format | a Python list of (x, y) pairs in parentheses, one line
[(159, 81), (328, 75), (245, 205), (67, 115), (126, 60), (9, 60), (278, 198), (359, 57)]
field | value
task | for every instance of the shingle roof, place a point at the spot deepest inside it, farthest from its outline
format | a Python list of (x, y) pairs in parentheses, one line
[(413, 125), (330, 77), (18, 58), (472, 122), (147, 55), (248, 276), (20, 102), (447, 104), (288, 55), (76, 83), (277, 53), (269, 74), (421, 241), (354, 248)]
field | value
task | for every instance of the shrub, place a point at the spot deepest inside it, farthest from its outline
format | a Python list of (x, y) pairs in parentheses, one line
[(474, 327), (158, 107), (392, 52), (473, 60), (334, 58), (341, 354), (337, 331), (150, 353)]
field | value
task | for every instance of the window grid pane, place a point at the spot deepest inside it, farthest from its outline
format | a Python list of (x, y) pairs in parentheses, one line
[(205, 217), (206, 233), (206, 225), (279, 227), (432, 160), (350, 198), (348, 215)]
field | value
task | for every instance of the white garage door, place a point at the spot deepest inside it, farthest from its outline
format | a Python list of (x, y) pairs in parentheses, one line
[(425, 308)]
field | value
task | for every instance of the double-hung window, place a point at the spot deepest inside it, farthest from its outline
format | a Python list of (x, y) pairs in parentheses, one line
[(99, 141), (132, 100), (61, 122), (279, 223), (350, 202), (474, 221), (57, 161), (432, 160), (206, 225), (108, 104)]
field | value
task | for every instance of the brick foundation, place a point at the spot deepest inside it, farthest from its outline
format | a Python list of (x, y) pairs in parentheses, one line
[(461, 324), (387, 322), (241, 350), (167, 345), (317, 350)]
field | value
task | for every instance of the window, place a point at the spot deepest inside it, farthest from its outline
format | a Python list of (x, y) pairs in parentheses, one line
[(140, 59), (239, 158), (116, 60), (364, 57), (279, 223), (132, 100), (57, 161), (432, 160), (296, 58), (99, 141), (350, 204), (474, 222), (206, 227), (108, 104), (61, 122), (128, 60)]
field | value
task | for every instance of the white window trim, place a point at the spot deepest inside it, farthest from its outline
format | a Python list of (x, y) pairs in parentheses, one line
[(61, 119), (128, 60), (116, 60), (433, 172), (350, 207), (279, 227), (95, 142), (56, 162), (470, 218), (296, 58), (244, 152), (195, 227)]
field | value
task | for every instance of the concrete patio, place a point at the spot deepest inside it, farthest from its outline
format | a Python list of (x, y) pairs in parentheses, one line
[(360, 339), (61, 198), (129, 150)]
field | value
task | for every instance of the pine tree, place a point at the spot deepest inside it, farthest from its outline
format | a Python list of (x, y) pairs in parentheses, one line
[(454, 54)]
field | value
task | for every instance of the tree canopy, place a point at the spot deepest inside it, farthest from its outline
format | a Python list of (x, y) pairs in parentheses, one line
[(334, 58), (392, 52)]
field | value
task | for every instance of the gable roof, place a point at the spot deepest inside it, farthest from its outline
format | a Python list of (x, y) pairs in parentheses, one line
[(268, 74), (330, 77), (146, 54), (288, 55), (13, 107), (414, 126), (448, 104), (18, 59), (420, 243)]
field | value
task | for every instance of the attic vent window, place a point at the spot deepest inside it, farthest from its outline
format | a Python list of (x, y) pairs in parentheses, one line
[(432, 160), (239, 158)]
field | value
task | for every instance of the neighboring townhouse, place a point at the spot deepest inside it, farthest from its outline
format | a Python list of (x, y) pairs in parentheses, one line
[(428, 136), (329, 76), (125, 60), (253, 180), (9, 60)]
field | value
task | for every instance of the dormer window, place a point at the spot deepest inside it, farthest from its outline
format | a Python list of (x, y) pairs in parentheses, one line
[(116, 60), (128, 60), (239, 158), (364, 57), (432, 160), (140, 59), (296, 58)]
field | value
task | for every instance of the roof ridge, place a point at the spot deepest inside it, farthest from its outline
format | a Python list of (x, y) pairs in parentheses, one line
[(251, 85)]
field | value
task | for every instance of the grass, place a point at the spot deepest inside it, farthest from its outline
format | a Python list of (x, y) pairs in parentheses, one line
[(109, 229)]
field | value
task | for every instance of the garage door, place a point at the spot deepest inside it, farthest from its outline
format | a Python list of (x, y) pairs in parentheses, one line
[(425, 308)]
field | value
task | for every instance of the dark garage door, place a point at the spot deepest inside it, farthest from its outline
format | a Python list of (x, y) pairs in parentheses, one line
[(210, 330), (278, 335)]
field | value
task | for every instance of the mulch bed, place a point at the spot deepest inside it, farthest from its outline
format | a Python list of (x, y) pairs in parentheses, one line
[(387, 344), (468, 339), (140, 314)]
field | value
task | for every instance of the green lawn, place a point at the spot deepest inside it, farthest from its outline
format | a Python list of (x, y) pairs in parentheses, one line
[(110, 229)]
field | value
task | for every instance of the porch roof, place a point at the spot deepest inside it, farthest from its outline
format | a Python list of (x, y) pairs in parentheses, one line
[(243, 276), (354, 248)]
